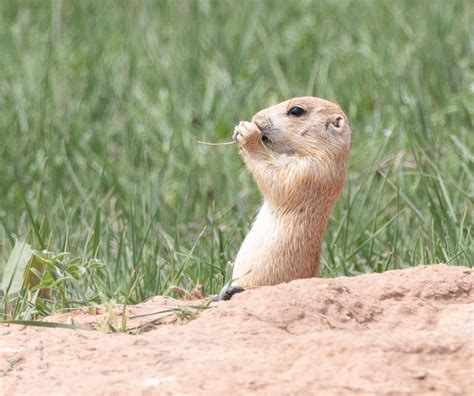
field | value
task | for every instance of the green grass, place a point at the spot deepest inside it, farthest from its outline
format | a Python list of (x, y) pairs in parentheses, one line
[(102, 102)]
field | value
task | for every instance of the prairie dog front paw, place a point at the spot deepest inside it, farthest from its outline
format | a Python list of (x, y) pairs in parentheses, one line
[(247, 133)]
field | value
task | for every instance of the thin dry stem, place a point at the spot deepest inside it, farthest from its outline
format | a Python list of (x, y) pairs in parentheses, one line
[(215, 144)]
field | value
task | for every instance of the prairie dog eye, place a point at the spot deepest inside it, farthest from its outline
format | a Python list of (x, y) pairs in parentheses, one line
[(296, 111)]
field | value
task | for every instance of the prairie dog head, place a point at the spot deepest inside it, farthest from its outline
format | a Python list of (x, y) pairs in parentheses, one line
[(305, 126)]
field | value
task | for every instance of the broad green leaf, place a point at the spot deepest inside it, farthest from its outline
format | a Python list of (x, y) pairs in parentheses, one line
[(13, 273)]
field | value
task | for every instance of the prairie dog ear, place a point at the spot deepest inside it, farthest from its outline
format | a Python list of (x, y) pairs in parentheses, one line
[(336, 123)]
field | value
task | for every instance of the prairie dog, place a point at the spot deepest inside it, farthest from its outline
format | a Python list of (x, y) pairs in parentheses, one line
[(297, 153)]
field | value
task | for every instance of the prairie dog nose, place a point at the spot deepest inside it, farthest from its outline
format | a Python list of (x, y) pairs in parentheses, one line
[(259, 118)]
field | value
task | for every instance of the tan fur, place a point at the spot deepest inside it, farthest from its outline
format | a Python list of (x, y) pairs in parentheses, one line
[(299, 180)]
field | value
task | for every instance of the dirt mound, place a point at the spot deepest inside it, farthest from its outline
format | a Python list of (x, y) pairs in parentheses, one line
[(401, 332)]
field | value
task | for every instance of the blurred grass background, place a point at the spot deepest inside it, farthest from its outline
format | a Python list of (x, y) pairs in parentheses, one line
[(102, 102)]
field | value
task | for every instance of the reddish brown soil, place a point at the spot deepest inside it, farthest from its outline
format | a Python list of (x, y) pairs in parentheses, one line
[(401, 332)]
